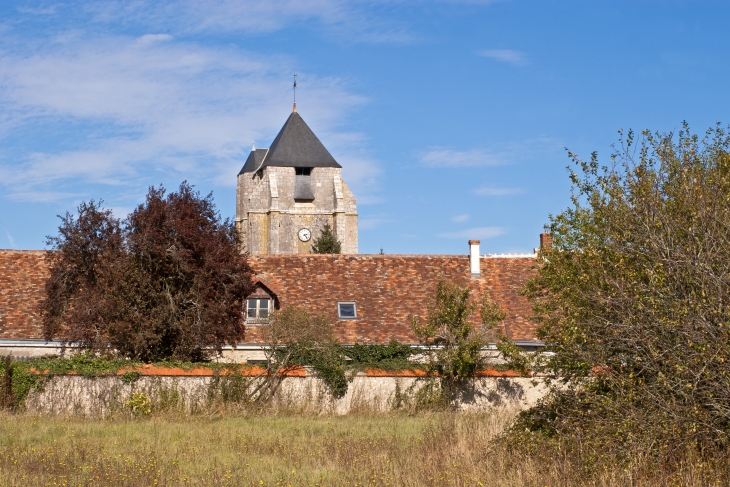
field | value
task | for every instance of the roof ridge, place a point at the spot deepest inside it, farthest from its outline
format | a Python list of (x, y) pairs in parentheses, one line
[(22, 251), (411, 256)]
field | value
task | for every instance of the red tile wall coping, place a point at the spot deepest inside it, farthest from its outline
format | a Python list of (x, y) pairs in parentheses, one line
[(390, 289), (490, 372), (149, 370), (23, 274)]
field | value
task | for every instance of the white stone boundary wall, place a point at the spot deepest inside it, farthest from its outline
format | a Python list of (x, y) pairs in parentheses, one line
[(104, 396)]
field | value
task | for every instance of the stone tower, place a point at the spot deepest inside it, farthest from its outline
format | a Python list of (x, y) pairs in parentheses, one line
[(288, 192)]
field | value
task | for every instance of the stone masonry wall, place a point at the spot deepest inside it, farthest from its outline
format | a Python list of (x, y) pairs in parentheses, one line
[(107, 395), (269, 219)]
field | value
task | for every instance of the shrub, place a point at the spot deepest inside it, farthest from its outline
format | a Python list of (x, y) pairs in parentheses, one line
[(632, 300)]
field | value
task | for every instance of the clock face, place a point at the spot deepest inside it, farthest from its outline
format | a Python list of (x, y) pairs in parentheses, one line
[(305, 235)]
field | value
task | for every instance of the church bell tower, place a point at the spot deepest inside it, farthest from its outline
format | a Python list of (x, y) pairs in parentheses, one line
[(287, 193)]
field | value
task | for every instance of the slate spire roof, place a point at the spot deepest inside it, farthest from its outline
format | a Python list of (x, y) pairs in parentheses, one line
[(295, 146)]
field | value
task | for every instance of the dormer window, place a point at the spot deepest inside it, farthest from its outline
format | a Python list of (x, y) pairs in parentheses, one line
[(257, 310), (303, 184), (260, 304)]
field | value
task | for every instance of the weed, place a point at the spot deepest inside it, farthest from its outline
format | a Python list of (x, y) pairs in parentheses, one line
[(130, 377), (139, 404)]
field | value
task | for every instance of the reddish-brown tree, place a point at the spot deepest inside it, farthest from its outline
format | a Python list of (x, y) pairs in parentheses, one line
[(86, 256), (168, 282)]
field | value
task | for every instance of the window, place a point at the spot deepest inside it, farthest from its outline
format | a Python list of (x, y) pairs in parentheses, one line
[(346, 311), (258, 310), (303, 184)]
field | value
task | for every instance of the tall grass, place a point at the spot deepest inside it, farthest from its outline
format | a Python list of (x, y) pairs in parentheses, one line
[(293, 450)]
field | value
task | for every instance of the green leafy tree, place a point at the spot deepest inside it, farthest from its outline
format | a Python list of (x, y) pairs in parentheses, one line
[(455, 343), (327, 242), (167, 282), (633, 299)]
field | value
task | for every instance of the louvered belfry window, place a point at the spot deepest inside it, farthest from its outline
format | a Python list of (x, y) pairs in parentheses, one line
[(303, 184)]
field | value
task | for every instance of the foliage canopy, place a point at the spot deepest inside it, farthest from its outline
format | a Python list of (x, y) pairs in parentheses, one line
[(633, 299), (166, 283)]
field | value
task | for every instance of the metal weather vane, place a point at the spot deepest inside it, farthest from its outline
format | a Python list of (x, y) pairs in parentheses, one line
[(295, 87)]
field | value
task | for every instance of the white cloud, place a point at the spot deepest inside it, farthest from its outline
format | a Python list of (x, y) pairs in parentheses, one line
[(444, 157), (460, 218), (149, 106), (516, 58), (148, 39), (491, 191), (476, 232), (121, 212)]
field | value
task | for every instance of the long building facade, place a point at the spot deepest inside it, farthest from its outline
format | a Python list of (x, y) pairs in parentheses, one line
[(368, 298)]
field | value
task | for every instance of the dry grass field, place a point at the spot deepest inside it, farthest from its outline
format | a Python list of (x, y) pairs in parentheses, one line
[(431, 449)]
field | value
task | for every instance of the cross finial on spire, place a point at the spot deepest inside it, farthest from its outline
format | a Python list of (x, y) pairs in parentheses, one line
[(294, 110)]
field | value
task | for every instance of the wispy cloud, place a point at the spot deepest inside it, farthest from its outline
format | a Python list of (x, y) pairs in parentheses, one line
[(444, 157), (353, 21), (476, 232), (359, 169), (497, 154), (148, 39), (122, 212), (38, 10), (371, 223), (492, 191), (42, 196), (136, 110), (515, 58), (151, 106), (460, 218), (11, 240)]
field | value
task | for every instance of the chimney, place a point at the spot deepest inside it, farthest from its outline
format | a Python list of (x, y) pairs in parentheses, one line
[(546, 242), (474, 265)]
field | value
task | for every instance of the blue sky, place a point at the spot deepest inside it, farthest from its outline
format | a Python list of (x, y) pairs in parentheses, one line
[(450, 118)]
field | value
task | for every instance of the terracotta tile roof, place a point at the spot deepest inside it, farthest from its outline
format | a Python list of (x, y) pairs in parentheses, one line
[(390, 289), (23, 274)]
